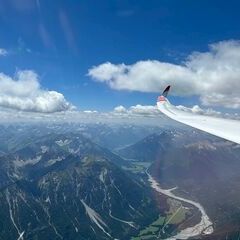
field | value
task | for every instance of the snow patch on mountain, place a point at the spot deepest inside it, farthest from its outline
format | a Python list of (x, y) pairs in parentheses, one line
[(32, 161), (95, 217), (53, 161), (44, 149), (102, 175), (62, 143)]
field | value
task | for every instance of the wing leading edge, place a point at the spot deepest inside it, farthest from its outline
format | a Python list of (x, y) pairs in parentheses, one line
[(225, 128)]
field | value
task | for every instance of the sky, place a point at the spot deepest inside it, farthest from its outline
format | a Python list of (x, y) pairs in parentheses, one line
[(117, 55)]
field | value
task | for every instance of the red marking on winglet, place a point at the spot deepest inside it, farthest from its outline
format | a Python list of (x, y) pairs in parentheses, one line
[(161, 99)]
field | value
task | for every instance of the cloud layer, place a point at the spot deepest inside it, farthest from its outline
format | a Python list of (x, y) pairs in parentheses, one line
[(134, 114), (23, 92), (214, 76), (152, 111), (138, 110)]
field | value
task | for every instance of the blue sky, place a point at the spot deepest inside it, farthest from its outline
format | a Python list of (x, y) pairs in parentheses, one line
[(62, 40)]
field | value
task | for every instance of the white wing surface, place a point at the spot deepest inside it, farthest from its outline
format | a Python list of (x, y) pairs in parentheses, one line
[(225, 128)]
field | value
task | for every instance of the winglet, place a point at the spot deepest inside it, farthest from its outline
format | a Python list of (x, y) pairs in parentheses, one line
[(163, 97), (165, 92)]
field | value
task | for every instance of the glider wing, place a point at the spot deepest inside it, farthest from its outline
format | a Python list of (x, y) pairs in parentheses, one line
[(225, 128)]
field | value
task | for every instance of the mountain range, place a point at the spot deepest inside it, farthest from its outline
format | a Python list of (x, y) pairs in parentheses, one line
[(72, 182), (202, 167), (67, 187)]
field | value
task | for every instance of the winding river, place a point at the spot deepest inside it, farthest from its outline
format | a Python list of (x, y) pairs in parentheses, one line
[(203, 227)]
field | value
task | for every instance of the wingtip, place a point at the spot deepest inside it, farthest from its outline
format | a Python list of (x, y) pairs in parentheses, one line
[(166, 91), (163, 97)]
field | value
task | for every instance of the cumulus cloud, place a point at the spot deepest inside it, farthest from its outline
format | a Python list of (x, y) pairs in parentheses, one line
[(137, 110), (90, 111), (3, 52), (120, 109), (133, 114), (23, 92), (144, 110), (198, 110), (214, 76), (152, 111), (209, 112)]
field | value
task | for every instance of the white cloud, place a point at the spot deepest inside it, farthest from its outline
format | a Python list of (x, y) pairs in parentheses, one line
[(90, 111), (214, 76), (120, 109), (137, 110), (134, 114), (3, 52), (152, 111), (198, 110), (144, 110), (23, 92), (209, 112)]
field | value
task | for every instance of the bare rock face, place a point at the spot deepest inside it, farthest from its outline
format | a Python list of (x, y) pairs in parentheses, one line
[(64, 186)]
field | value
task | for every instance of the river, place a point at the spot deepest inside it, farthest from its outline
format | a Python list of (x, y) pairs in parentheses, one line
[(203, 227)]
